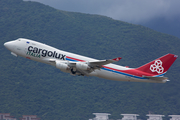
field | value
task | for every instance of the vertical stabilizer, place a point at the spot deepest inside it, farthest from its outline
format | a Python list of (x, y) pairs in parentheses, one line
[(160, 65)]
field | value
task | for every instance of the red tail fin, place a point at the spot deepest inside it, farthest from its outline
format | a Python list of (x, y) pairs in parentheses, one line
[(160, 65)]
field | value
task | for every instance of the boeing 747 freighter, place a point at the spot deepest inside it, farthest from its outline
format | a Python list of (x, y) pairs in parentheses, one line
[(74, 64)]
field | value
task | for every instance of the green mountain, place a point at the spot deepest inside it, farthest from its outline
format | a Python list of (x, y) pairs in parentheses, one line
[(32, 88)]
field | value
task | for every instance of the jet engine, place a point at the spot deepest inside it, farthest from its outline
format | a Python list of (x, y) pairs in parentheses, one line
[(62, 66), (82, 66)]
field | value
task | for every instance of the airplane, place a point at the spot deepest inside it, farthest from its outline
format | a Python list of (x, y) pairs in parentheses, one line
[(75, 64)]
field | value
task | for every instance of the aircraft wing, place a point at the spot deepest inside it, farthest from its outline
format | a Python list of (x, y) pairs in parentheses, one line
[(98, 63), (104, 62), (93, 64)]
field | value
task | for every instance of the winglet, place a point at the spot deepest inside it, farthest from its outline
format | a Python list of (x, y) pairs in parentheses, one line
[(117, 59)]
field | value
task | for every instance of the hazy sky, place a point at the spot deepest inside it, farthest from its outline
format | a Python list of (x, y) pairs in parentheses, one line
[(133, 11)]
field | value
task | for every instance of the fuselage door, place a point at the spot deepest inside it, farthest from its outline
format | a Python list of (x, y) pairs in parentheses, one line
[(26, 46)]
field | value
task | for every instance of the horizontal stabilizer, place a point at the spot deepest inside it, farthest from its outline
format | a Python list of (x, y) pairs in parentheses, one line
[(156, 78)]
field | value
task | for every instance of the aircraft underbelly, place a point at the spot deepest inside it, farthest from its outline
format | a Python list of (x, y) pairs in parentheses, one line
[(111, 76)]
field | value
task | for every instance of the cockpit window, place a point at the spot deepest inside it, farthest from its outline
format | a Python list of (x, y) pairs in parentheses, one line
[(18, 39)]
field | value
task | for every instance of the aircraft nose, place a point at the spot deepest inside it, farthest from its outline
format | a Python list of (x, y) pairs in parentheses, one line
[(6, 44), (9, 45)]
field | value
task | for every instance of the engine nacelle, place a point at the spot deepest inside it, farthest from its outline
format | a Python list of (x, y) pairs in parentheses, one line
[(62, 66), (82, 66)]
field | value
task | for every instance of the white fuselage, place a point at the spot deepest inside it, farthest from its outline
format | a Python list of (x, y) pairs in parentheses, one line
[(43, 53)]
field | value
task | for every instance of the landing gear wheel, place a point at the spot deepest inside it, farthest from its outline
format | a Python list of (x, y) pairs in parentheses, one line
[(73, 72)]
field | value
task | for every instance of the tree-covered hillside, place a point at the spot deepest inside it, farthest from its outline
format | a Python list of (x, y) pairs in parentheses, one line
[(31, 88)]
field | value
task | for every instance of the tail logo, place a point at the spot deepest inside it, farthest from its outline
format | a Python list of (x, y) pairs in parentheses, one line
[(157, 67)]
